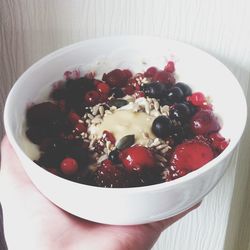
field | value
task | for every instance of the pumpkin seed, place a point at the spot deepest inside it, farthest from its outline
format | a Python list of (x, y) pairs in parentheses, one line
[(117, 102), (126, 142)]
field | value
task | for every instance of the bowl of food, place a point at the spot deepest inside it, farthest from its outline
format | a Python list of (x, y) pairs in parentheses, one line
[(125, 130)]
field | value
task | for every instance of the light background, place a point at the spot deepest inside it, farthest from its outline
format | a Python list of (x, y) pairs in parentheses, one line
[(32, 28)]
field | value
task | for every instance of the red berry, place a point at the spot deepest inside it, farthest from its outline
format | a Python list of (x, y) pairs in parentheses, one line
[(139, 94), (80, 128), (127, 73), (204, 122), (73, 117), (109, 175), (218, 142), (129, 89), (191, 155), (150, 72), (170, 67), (69, 166), (115, 78), (52, 171), (91, 98), (197, 99), (103, 88), (108, 136), (137, 157), (164, 77)]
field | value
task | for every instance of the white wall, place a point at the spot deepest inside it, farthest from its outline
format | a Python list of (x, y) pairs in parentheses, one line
[(32, 28)]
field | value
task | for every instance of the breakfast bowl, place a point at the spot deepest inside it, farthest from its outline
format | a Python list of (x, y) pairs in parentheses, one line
[(127, 205)]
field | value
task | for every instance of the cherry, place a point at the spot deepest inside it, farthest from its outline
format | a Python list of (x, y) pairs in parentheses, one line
[(137, 157), (69, 166), (204, 122), (103, 88)]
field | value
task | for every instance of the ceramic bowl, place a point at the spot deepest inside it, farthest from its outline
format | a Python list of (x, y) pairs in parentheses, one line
[(129, 206)]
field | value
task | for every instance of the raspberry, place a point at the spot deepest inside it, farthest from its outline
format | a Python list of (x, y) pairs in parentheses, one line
[(170, 67), (197, 99), (110, 175), (115, 78), (218, 142), (191, 155), (150, 72), (103, 88), (137, 157), (164, 77), (108, 136)]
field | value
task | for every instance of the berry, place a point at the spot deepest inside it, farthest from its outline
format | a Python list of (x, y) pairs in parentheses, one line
[(118, 93), (139, 94), (80, 128), (174, 95), (114, 156), (170, 67), (187, 91), (180, 112), (150, 72), (155, 90), (109, 175), (115, 78), (218, 142), (129, 89), (58, 93), (69, 166), (204, 122), (137, 157), (164, 77), (127, 73), (73, 117), (103, 88), (91, 98), (197, 99), (191, 155), (161, 127), (108, 136)]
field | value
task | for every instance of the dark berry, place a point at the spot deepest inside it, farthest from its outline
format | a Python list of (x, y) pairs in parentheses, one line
[(91, 98), (155, 90), (35, 134), (187, 91), (180, 112), (175, 95), (110, 175), (118, 93), (114, 156), (58, 93), (161, 127), (69, 166)]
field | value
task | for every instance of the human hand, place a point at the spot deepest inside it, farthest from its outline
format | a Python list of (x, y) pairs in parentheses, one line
[(33, 222)]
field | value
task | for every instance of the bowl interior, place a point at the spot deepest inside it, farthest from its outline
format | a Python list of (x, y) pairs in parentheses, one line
[(194, 67)]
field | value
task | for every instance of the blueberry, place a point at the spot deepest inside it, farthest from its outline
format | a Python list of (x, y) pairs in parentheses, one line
[(180, 112), (155, 90), (185, 88), (114, 156), (175, 95), (118, 93), (161, 127)]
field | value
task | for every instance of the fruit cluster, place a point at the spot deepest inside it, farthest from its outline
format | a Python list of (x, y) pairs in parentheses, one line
[(61, 129)]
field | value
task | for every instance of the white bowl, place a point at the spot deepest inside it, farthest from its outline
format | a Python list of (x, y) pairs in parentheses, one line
[(139, 205)]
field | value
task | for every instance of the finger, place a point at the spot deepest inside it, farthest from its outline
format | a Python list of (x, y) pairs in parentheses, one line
[(11, 168)]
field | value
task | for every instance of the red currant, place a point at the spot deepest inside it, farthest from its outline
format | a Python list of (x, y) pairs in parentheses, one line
[(69, 166)]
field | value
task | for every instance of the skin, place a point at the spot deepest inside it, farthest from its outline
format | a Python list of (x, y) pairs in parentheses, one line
[(33, 222)]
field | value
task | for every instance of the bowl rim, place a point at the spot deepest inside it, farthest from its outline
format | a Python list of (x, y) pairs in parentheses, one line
[(160, 186)]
